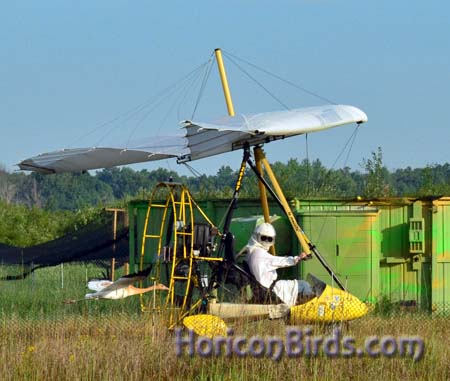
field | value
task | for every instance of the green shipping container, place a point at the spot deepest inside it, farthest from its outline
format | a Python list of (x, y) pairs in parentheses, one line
[(439, 210), (395, 249)]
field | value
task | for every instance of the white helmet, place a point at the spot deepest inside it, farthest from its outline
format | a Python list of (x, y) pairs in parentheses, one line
[(265, 235)]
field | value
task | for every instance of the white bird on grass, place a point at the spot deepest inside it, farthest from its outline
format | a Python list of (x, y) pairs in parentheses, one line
[(121, 288)]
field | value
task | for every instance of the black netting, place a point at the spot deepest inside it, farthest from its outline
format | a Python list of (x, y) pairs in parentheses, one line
[(10, 254), (94, 242)]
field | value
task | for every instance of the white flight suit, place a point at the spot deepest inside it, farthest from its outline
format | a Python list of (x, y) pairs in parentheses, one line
[(264, 265)]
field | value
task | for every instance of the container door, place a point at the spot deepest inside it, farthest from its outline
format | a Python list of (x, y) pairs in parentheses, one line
[(440, 283), (354, 254), (345, 243)]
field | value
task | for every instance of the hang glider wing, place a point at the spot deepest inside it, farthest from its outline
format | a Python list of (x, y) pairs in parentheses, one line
[(202, 139), (230, 133), (83, 159)]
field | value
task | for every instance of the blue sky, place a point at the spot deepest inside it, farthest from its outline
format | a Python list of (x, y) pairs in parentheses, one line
[(67, 67)]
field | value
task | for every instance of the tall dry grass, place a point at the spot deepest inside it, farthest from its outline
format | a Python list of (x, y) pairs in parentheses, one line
[(141, 348), (43, 339)]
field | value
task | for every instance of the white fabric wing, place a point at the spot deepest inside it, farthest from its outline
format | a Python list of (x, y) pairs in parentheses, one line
[(83, 159), (202, 139), (231, 133), (290, 122)]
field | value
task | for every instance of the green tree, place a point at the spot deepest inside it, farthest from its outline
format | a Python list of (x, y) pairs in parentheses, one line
[(68, 191), (377, 177)]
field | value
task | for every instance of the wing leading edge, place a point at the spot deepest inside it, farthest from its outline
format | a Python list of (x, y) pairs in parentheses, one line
[(202, 139)]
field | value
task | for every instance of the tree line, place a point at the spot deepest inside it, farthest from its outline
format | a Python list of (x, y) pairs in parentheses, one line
[(302, 179), (36, 208)]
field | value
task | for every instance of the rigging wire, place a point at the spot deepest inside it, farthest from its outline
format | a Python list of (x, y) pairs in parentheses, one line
[(185, 92), (144, 117), (182, 87), (308, 167), (190, 87), (355, 132), (129, 114), (308, 178), (181, 100), (350, 141), (161, 97), (202, 88), (298, 87), (259, 83), (168, 93), (191, 169)]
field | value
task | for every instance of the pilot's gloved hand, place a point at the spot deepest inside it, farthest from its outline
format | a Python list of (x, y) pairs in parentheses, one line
[(301, 257)]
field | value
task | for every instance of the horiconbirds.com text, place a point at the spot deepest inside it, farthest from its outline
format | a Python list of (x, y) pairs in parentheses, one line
[(297, 342)]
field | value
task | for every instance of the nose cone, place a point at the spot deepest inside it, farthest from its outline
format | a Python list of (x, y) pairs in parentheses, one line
[(331, 306)]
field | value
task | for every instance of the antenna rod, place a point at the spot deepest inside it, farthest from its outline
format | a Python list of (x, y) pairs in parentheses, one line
[(223, 78)]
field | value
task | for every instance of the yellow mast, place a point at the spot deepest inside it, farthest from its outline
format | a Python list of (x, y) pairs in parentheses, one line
[(223, 77)]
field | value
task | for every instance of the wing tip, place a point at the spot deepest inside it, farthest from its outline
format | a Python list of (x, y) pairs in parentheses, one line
[(27, 166)]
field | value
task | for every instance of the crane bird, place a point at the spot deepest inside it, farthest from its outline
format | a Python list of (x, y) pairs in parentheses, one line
[(121, 288)]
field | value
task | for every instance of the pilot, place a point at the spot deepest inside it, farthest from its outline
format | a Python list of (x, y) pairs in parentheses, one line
[(263, 266)]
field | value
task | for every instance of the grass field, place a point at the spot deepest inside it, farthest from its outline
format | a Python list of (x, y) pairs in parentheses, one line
[(41, 338)]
